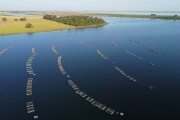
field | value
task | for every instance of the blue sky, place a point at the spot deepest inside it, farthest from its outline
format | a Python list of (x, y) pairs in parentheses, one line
[(92, 5)]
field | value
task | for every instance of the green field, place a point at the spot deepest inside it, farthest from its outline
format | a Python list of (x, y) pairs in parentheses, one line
[(39, 25)]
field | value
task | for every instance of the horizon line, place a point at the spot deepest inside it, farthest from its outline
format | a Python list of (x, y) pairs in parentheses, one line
[(87, 11)]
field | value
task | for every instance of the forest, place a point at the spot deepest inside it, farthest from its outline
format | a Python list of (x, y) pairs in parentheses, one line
[(77, 21)]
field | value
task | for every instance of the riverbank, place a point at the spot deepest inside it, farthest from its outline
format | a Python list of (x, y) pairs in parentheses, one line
[(39, 25)]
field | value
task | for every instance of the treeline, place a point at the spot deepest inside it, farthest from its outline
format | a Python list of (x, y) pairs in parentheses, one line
[(151, 16), (76, 20), (21, 19)]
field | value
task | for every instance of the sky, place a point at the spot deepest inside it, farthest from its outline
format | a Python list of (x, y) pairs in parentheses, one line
[(90, 5)]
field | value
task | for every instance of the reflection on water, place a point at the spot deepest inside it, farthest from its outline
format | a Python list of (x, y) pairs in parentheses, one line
[(102, 83)]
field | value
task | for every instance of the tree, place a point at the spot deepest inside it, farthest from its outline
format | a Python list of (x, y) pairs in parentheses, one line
[(15, 19), (153, 14), (48, 17), (54, 18), (4, 19), (29, 25), (22, 19)]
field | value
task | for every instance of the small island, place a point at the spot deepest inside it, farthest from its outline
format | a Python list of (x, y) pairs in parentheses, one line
[(17, 25)]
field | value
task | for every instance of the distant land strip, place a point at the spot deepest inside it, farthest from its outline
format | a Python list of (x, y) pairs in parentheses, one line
[(150, 16)]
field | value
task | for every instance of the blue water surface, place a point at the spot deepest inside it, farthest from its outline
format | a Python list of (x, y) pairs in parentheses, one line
[(54, 99)]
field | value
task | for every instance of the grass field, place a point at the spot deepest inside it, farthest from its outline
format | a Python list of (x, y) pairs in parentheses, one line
[(39, 25)]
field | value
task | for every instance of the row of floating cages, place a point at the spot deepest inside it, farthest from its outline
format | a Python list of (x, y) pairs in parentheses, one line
[(92, 100), (54, 49), (101, 54), (29, 86), (146, 46), (60, 65), (4, 51), (84, 44), (29, 68), (134, 55), (30, 107), (124, 74)]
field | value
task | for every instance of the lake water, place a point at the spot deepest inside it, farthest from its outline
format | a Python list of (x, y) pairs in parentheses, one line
[(154, 96)]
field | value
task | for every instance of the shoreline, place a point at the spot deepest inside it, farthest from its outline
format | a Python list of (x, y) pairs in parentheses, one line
[(84, 27), (11, 27)]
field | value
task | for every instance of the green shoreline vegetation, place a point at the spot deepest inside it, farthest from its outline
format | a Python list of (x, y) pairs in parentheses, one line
[(78, 21)]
